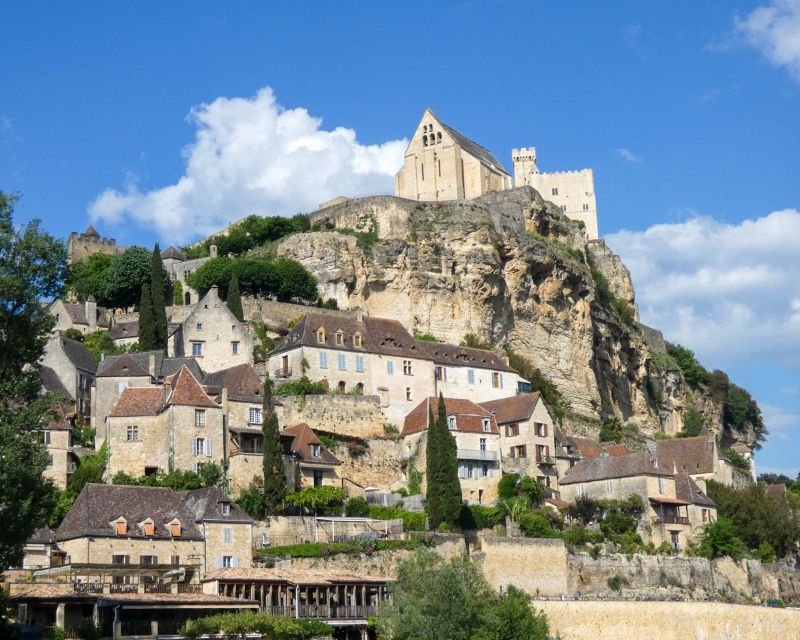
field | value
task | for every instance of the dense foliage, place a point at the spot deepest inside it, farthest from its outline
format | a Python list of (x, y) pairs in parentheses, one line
[(234, 299), (90, 470), (720, 539), (279, 278), (694, 423), (244, 623), (758, 517), (324, 500), (444, 488), (439, 600), (606, 297), (147, 320), (254, 231), (360, 544), (32, 268), (126, 275), (611, 430), (160, 292), (209, 474), (275, 486), (88, 277)]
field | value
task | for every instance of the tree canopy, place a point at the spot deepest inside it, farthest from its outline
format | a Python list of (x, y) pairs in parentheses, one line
[(275, 487), (88, 277), (253, 231), (160, 289), (444, 488), (32, 268)]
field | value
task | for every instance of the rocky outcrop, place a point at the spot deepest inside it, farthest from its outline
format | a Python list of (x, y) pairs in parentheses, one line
[(512, 269)]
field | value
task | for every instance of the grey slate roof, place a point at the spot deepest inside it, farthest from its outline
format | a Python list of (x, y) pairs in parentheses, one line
[(124, 330), (99, 505), (692, 455), (206, 505), (454, 355), (687, 489), (78, 354), (241, 381), (172, 252), (51, 382), (163, 366), (606, 468), (472, 147), (123, 366)]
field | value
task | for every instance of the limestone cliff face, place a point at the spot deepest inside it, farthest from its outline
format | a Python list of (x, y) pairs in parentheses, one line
[(512, 269)]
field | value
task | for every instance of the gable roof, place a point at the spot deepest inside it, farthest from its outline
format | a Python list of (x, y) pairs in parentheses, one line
[(513, 409), (457, 356), (77, 353), (692, 455), (124, 330), (592, 449), (303, 437), (211, 302), (473, 148), (51, 383), (186, 390), (99, 505), (123, 366), (469, 416), (77, 314), (206, 505), (241, 381), (607, 468), (378, 335), (138, 401), (687, 489), (163, 366), (173, 253)]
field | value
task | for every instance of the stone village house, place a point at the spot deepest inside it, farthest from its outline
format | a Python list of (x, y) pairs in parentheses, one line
[(674, 506), (477, 443), (73, 365)]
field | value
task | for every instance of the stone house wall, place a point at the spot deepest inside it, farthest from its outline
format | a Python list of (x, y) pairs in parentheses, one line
[(105, 393), (101, 550), (59, 449), (456, 384), (545, 473), (239, 549), (537, 566), (348, 415)]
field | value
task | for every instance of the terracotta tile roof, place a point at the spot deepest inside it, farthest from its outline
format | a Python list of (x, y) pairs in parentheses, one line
[(687, 489), (59, 422), (469, 416), (123, 366), (138, 401), (99, 505), (591, 449), (557, 502), (378, 335), (241, 381), (606, 468), (692, 455), (293, 576), (186, 390), (456, 356), (514, 409), (303, 437), (66, 592)]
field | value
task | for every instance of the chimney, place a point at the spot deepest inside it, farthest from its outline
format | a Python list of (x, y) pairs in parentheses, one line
[(224, 396), (91, 312), (359, 315), (212, 250), (151, 365)]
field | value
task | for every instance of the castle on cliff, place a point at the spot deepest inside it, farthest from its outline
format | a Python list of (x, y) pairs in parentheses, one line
[(442, 164)]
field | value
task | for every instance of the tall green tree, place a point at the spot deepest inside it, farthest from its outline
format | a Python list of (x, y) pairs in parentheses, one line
[(32, 268), (88, 277), (234, 300), (177, 293), (448, 455), (433, 472), (274, 474), (125, 277), (147, 330), (158, 292)]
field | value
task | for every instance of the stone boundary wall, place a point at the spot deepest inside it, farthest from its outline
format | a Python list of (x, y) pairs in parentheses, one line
[(346, 415), (609, 620), (275, 314), (535, 565)]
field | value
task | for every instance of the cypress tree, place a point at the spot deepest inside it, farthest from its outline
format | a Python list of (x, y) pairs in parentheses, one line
[(158, 294), (433, 473), (147, 338), (450, 485), (234, 301), (274, 474)]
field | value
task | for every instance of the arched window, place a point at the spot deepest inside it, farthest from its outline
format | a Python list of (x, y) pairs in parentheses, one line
[(187, 298), (425, 128), (425, 141), (341, 386), (439, 137), (360, 388)]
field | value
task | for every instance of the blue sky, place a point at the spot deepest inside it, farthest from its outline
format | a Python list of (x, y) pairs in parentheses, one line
[(687, 112)]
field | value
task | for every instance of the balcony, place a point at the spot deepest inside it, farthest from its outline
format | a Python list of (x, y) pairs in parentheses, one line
[(283, 372), (476, 454), (546, 461), (671, 520)]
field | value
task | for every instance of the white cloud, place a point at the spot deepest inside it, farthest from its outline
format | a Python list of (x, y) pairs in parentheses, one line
[(731, 292), (251, 155), (774, 29), (628, 155)]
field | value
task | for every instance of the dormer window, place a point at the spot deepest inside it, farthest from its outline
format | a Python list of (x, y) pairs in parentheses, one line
[(339, 338), (321, 335), (226, 508), (315, 450), (148, 527), (451, 423), (486, 425), (357, 340), (121, 526), (175, 528)]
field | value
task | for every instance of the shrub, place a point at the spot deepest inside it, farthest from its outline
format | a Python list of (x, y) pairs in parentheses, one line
[(535, 525), (531, 489), (479, 517), (357, 507), (472, 341), (616, 582), (584, 510), (693, 372), (611, 430), (577, 535), (412, 520), (320, 500), (426, 337), (301, 387), (616, 523), (507, 487), (693, 423), (719, 539), (737, 460), (766, 553)]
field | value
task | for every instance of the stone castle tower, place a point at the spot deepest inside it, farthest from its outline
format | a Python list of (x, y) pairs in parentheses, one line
[(82, 245)]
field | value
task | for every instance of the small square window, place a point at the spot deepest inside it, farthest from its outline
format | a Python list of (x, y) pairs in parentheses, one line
[(227, 562), (226, 508), (197, 349), (234, 348), (199, 326), (133, 433)]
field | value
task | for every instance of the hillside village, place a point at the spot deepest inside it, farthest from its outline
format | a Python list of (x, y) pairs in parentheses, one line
[(558, 494)]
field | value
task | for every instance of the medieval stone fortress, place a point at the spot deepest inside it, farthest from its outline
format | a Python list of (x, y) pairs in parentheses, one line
[(473, 307)]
